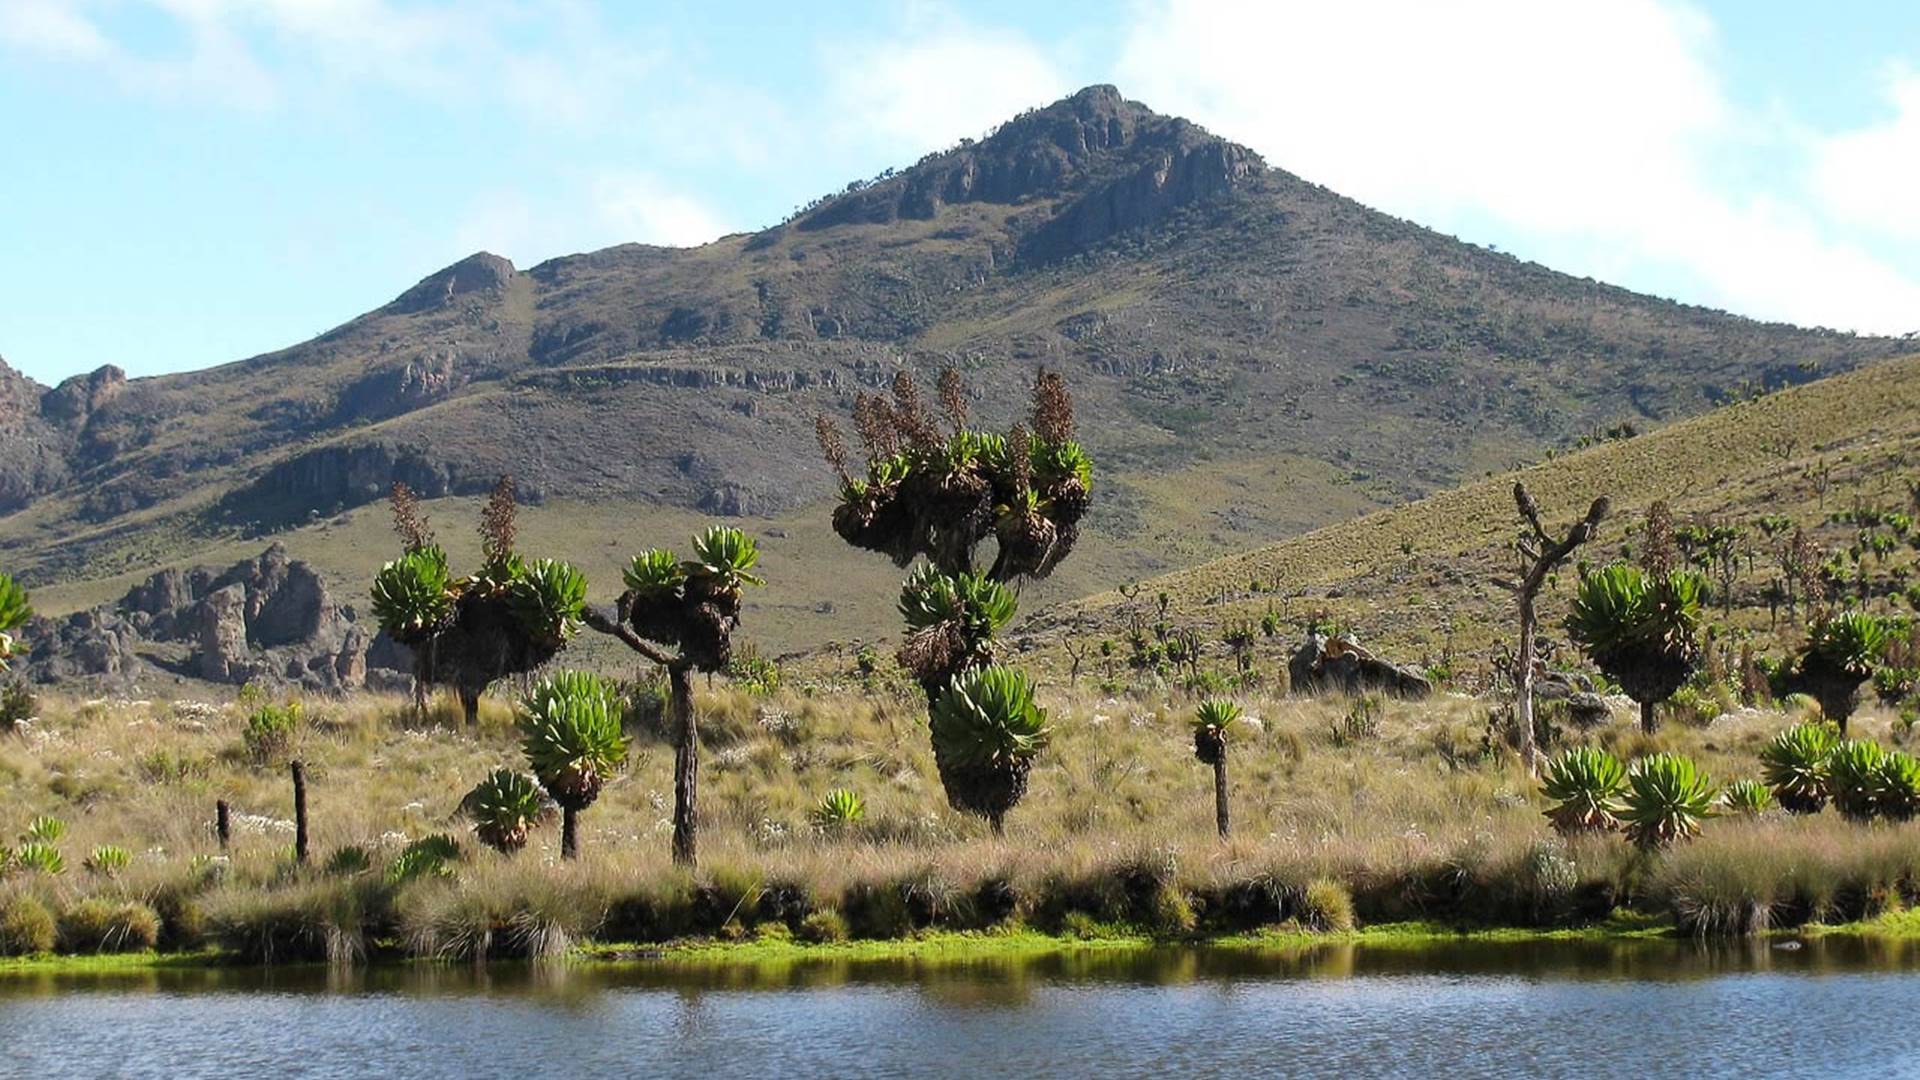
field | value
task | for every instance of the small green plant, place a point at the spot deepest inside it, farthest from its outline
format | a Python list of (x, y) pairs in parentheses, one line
[(45, 829), (1746, 798), (108, 860), (429, 856), (505, 808), (1585, 785), (1795, 765), (39, 857), (349, 861), (269, 732), (839, 811), (1361, 723), (1855, 772), (1667, 799)]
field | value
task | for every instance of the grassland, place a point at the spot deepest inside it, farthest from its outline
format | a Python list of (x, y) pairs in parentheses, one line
[(1422, 819)]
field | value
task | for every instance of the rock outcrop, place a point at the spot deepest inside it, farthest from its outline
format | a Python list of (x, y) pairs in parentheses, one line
[(266, 619), (1338, 665)]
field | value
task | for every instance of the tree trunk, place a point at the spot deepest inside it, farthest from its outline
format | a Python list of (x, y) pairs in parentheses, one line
[(299, 812), (470, 705), (1220, 793), (1648, 724), (998, 823), (222, 823), (1523, 683), (686, 767), (569, 833)]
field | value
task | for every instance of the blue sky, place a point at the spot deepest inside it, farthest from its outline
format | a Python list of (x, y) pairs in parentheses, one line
[(189, 182)]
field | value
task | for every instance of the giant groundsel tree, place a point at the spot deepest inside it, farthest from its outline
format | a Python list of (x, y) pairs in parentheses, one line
[(681, 614), (1642, 629), (508, 618), (936, 489)]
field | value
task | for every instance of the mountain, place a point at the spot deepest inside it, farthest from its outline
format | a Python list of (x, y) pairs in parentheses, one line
[(1253, 356)]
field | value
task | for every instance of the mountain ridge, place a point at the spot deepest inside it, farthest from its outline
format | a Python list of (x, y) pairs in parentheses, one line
[(1253, 354)]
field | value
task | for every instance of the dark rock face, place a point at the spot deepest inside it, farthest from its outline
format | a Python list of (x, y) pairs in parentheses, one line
[(479, 272), (334, 477), (76, 399), (1324, 665), (269, 618), (95, 644)]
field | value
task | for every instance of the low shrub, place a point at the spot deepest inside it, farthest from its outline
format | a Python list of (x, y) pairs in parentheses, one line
[(822, 926), (268, 736), (1326, 904), (26, 926), (97, 924)]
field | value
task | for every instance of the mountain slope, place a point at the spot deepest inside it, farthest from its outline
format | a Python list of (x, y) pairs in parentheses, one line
[(1253, 355), (1417, 580)]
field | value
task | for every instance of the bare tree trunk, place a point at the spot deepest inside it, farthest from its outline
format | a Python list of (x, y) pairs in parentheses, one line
[(686, 767), (1220, 794), (222, 823), (998, 823), (299, 771), (569, 833), (1523, 683), (470, 705), (1541, 553), (1648, 723)]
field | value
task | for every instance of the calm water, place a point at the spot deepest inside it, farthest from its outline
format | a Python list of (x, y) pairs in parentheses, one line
[(1644, 1009)]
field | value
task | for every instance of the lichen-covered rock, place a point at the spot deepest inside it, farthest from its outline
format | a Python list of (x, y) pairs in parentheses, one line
[(1338, 665)]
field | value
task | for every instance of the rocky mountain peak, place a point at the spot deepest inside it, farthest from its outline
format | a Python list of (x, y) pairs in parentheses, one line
[(80, 396), (482, 271), (1094, 147)]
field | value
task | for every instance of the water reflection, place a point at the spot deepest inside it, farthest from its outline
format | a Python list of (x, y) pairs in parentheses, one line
[(1009, 980), (1463, 1008)]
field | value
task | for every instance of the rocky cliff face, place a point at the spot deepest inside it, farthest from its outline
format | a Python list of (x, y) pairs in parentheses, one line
[(268, 619)]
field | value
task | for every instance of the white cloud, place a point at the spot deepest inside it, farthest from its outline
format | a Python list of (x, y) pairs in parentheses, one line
[(51, 28), (640, 208), (1597, 123), (1870, 176), (610, 208), (939, 80)]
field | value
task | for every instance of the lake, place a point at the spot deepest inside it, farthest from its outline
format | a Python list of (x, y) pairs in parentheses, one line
[(1835, 1007)]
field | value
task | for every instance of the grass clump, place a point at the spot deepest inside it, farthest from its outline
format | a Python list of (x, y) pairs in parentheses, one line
[(99, 925), (26, 926)]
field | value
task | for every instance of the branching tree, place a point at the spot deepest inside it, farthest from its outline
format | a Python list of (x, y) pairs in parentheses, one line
[(1540, 553), (509, 618), (681, 614), (938, 494)]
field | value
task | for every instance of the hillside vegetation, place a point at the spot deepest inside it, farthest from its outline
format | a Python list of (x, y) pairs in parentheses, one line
[(1839, 459)]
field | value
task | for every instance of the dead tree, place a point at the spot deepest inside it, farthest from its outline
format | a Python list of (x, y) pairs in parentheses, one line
[(1540, 554)]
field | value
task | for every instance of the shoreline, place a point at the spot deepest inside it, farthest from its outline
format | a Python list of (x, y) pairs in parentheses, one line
[(967, 946)]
